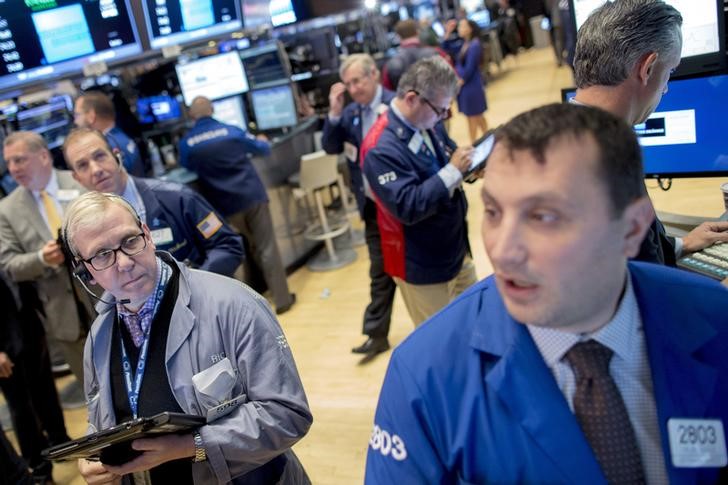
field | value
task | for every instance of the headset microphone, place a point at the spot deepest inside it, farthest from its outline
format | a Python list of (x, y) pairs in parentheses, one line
[(81, 273)]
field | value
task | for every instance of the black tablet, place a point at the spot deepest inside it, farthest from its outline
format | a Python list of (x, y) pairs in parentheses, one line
[(113, 445), (481, 152)]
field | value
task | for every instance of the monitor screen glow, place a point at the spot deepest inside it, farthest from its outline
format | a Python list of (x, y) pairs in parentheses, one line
[(274, 107), (58, 38), (230, 111), (214, 77), (171, 22)]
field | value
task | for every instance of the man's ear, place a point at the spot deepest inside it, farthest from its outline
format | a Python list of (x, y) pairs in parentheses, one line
[(637, 217), (646, 67)]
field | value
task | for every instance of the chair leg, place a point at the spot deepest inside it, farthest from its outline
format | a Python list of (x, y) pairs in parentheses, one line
[(325, 225)]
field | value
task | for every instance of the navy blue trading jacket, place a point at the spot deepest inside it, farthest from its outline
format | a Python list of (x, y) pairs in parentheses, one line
[(221, 155), (198, 235), (423, 230)]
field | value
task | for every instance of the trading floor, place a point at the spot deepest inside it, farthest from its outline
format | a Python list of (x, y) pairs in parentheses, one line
[(326, 321)]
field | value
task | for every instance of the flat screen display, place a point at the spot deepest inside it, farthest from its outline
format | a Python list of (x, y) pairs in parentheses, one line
[(685, 136), (231, 111), (41, 40), (702, 31), (265, 66), (172, 22), (155, 109), (51, 120), (274, 107), (214, 77)]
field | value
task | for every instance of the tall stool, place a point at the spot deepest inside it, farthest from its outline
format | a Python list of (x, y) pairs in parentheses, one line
[(319, 171)]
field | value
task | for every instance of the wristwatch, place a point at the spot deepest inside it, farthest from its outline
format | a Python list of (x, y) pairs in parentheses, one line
[(200, 453)]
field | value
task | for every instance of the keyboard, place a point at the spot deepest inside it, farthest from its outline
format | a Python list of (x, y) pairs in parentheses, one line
[(711, 262)]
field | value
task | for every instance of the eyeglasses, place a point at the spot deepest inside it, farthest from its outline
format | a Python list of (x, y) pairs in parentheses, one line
[(442, 113), (106, 258)]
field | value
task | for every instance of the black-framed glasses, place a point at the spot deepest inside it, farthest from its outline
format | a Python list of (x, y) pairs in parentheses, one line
[(106, 258), (442, 113)]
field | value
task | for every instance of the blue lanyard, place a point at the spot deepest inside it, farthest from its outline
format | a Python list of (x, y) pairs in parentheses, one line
[(134, 382)]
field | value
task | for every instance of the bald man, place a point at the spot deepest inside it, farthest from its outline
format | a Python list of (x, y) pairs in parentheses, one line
[(221, 156)]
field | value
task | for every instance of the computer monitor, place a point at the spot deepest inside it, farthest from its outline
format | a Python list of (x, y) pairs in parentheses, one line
[(231, 111), (45, 40), (480, 17), (265, 65), (274, 107), (52, 120), (685, 137), (157, 109), (214, 77), (703, 32), (170, 22)]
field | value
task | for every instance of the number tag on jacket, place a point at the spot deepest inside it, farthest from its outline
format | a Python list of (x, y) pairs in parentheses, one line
[(697, 443), (224, 409), (350, 151)]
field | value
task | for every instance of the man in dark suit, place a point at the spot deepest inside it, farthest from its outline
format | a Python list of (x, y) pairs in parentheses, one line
[(30, 219), (180, 220), (569, 364), (629, 82), (344, 130)]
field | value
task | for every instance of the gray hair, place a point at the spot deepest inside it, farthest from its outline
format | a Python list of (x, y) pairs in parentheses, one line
[(364, 60), (618, 34), (430, 76), (87, 211), (33, 141)]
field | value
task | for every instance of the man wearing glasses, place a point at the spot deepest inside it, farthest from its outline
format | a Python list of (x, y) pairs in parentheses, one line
[(344, 130), (415, 171), (165, 333)]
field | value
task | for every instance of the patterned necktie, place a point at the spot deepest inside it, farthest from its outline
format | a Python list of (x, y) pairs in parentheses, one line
[(54, 219), (133, 323), (601, 413)]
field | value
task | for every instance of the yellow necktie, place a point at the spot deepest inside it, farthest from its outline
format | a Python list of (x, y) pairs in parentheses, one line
[(54, 219)]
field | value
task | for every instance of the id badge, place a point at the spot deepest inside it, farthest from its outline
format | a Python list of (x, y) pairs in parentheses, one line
[(162, 236), (350, 151), (697, 443)]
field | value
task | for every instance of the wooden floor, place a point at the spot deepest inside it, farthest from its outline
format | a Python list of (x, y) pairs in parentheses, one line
[(326, 322)]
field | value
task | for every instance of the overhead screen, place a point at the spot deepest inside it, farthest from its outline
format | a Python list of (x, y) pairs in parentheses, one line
[(684, 137), (214, 77), (172, 22), (702, 31), (57, 37)]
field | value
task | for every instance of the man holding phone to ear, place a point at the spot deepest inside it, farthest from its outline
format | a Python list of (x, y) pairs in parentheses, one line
[(180, 220)]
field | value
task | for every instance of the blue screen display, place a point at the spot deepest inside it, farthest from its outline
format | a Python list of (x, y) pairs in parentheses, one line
[(274, 107), (158, 108), (685, 136)]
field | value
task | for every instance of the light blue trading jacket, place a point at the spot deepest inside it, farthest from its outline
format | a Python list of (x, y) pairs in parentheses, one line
[(214, 317), (483, 407)]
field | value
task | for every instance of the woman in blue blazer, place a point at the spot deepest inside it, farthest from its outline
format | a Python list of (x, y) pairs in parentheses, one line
[(471, 99)]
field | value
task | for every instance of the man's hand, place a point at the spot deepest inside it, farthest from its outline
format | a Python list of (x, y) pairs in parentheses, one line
[(461, 158), (706, 234), (336, 99), (262, 137), (156, 451), (450, 27), (52, 253), (96, 473), (6, 365)]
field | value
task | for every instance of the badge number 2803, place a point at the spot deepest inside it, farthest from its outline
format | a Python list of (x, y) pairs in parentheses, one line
[(697, 443)]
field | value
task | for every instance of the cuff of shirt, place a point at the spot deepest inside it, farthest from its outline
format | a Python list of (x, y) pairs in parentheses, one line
[(334, 120), (451, 177), (678, 247), (40, 257)]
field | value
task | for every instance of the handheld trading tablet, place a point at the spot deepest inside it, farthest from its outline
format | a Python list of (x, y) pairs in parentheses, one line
[(481, 151), (113, 445)]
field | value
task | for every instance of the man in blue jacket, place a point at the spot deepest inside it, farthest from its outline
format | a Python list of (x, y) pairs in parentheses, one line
[(95, 110), (344, 130), (415, 172), (180, 220), (568, 365), (221, 155)]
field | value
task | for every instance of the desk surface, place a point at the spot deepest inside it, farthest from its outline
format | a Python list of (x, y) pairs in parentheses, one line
[(689, 196)]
